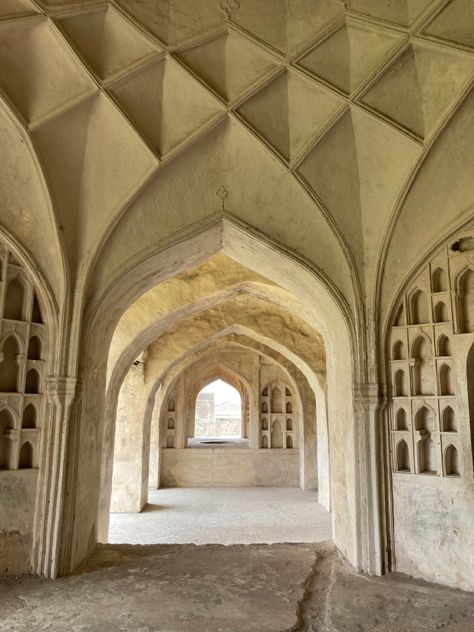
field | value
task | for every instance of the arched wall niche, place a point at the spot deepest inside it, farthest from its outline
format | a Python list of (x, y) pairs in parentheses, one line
[(333, 320), (24, 295), (465, 293), (436, 432)]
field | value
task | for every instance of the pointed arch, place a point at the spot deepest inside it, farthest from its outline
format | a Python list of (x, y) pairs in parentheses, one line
[(446, 386), (277, 435), (25, 459), (427, 456), (9, 367), (439, 280), (400, 383), (398, 351), (29, 419), (444, 346), (403, 457), (401, 419), (32, 382), (15, 300), (465, 288), (441, 312), (35, 348), (419, 312), (448, 420), (7, 422), (451, 461), (425, 419)]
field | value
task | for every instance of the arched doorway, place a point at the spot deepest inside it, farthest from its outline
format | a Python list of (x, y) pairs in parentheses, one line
[(295, 287), (218, 414)]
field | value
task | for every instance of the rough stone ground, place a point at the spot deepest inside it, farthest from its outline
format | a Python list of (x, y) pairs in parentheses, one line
[(239, 515), (214, 588)]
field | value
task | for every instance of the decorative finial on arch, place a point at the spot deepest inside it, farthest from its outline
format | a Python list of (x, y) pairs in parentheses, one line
[(222, 194), (228, 6)]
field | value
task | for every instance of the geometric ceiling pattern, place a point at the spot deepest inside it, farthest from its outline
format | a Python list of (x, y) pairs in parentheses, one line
[(120, 88)]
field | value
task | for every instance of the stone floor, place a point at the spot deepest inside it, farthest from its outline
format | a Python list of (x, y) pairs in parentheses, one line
[(256, 588), (244, 515)]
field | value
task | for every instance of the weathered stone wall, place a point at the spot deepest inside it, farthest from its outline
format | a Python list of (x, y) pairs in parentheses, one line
[(230, 467)]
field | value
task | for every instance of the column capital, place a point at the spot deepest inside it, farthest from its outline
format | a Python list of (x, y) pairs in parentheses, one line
[(372, 394), (60, 388)]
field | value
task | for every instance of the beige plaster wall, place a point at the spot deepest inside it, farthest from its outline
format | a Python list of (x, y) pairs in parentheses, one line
[(229, 467)]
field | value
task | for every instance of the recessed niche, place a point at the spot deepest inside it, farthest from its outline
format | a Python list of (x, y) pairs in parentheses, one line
[(9, 366), (289, 424), (277, 435), (29, 417), (444, 346), (7, 422), (289, 408), (277, 400), (401, 420), (36, 316), (289, 442), (448, 419), (264, 424), (34, 348), (446, 380), (419, 308), (398, 351), (264, 442), (441, 312), (32, 382), (425, 419), (439, 280), (171, 406), (466, 301), (15, 300), (170, 441), (170, 423), (427, 459), (399, 320), (25, 460), (424, 382), (401, 389), (403, 457), (451, 461)]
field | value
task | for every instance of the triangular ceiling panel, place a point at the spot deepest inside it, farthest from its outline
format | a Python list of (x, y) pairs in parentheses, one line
[(356, 169), (349, 56), (37, 72), (166, 104), (455, 23), (287, 25), (107, 41), (94, 161), (229, 64), (176, 21), (289, 111), (402, 12), (420, 85), (15, 8)]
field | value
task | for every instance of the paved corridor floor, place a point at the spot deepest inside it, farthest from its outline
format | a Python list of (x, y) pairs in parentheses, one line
[(241, 515), (214, 588)]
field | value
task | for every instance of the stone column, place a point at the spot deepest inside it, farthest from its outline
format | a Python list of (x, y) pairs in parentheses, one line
[(369, 402), (129, 485), (60, 392)]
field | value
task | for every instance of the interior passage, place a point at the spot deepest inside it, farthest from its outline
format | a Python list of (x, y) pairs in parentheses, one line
[(224, 516)]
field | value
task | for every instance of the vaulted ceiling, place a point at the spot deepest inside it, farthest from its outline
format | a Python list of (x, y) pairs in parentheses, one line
[(313, 114)]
